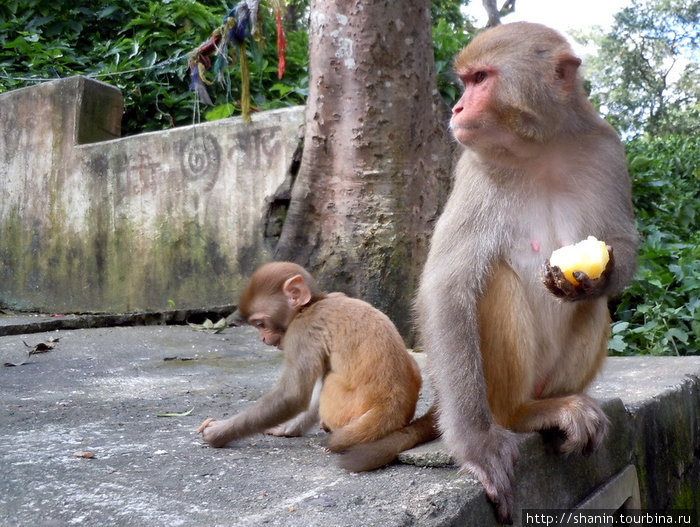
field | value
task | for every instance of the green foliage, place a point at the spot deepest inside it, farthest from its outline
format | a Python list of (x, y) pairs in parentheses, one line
[(447, 41), (451, 32), (645, 76), (659, 313), (450, 12), (140, 46)]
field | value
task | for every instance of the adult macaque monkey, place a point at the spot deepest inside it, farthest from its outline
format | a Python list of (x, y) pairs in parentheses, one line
[(511, 344), (343, 360)]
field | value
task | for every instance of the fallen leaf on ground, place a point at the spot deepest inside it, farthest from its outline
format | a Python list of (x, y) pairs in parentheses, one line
[(183, 414), (208, 325), (42, 347), (23, 361)]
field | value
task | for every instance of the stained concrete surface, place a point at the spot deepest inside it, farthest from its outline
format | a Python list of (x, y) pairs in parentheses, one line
[(101, 390)]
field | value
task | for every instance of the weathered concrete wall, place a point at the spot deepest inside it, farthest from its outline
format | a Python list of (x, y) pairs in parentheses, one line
[(90, 222)]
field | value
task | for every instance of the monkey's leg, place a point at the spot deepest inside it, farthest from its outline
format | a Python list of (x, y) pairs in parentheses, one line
[(586, 349), (375, 454), (508, 340), (560, 403), (508, 329), (368, 427), (338, 404), (577, 415), (353, 416)]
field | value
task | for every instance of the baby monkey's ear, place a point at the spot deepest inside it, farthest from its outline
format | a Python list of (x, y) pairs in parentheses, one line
[(296, 291)]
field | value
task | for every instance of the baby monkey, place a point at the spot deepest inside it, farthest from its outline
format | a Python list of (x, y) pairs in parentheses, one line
[(344, 361)]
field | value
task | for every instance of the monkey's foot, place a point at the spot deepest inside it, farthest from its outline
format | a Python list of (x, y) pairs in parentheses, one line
[(584, 424), (283, 431)]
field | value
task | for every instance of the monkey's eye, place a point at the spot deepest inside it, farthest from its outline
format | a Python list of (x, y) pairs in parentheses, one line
[(479, 77)]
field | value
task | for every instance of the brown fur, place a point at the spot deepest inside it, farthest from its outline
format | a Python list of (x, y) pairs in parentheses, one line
[(370, 382), (509, 357), (371, 455), (541, 170)]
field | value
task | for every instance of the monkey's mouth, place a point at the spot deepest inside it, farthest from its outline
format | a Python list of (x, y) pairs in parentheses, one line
[(467, 127)]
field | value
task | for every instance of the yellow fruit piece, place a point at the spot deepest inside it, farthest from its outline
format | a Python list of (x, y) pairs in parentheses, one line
[(589, 256)]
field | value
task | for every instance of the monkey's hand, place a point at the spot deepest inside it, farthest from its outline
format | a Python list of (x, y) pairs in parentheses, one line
[(282, 431), (490, 457), (557, 284), (214, 432), (294, 427)]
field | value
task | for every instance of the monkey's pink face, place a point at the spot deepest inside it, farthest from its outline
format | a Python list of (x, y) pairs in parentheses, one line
[(270, 332), (470, 114)]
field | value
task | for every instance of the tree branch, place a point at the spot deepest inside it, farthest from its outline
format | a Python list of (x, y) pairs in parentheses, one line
[(507, 8), (494, 13)]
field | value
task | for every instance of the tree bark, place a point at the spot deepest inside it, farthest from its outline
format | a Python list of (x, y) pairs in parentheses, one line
[(376, 165)]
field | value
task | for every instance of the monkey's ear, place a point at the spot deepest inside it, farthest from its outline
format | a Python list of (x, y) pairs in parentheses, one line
[(296, 291), (565, 73)]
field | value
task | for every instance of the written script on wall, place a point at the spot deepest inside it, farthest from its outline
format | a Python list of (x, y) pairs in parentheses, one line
[(254, 150)]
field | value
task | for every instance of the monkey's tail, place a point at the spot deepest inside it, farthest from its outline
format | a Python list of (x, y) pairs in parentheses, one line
[(375, 454)]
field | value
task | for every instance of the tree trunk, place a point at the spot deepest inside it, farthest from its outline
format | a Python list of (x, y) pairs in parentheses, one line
[(375, 169)]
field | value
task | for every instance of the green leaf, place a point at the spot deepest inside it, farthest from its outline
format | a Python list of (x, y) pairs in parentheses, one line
[(220, 112), (183, 414), (619, 327), (617, 344), (677, 334)]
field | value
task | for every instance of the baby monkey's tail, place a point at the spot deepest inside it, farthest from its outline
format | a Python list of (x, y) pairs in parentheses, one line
[(375, 454)]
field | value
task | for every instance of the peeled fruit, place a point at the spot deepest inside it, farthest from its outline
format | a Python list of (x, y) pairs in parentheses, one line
[(589, 256)]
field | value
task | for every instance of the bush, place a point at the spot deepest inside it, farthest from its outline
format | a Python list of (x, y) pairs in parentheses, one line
[(659, 313), (448, 40), (141, 47)]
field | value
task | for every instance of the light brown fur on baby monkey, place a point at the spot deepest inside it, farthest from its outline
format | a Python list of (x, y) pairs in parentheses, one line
[(511, 345), (370, 383)]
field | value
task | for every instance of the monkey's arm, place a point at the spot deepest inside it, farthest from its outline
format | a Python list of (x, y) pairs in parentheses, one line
[(303, 422), (450, 336), (610, 218), (290, 396)]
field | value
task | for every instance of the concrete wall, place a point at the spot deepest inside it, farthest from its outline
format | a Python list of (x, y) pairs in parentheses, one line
[(91, 222)]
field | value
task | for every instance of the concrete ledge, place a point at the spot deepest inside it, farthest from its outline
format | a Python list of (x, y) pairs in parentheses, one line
[(653, 404), (25, 324), (100, 390)]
